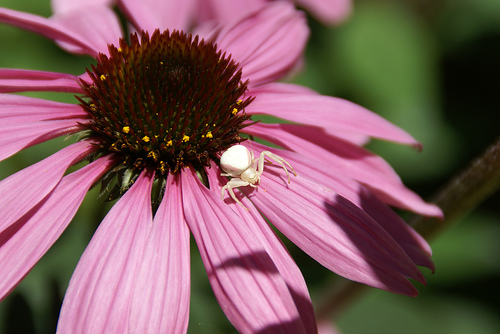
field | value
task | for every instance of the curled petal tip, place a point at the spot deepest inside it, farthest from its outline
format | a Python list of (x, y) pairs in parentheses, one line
[(434, 211)]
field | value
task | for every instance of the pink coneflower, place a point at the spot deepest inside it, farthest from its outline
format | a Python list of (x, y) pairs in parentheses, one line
[(153, 117)]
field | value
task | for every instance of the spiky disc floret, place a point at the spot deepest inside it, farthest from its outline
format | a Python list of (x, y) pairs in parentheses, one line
[(165, 101)]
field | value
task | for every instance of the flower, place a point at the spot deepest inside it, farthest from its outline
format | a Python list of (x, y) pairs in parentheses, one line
[(154, 116)]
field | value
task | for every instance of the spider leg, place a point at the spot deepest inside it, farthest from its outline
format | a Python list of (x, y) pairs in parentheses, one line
[(276, 158), (234, 183)]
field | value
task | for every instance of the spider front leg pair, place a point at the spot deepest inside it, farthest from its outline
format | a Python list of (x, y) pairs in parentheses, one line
[(239, 163)]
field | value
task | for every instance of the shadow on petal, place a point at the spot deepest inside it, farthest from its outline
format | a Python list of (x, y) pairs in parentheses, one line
[(6, 234), (390, 264), (249, 263)]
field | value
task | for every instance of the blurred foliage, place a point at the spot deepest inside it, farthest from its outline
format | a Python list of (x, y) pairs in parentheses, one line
[(431, 67)]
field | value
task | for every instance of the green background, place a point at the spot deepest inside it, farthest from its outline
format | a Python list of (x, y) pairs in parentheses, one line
[(431, 67)]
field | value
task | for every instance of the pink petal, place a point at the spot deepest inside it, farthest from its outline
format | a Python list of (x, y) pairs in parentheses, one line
[(413, 244), (328, 11), (22, 191), (64, 6), (276, 250), (355, 138), (410, 241), (13, 80), (346, 159), (286, 88), (26, 121), (96, 25), (333, 231), (149, 15), (328, 112), (325, 327), (226, 10), (45, 27), (15, 136), (257, 42), (27, 240), (14, 106), (99, 295), (246, 282), (160, 299)]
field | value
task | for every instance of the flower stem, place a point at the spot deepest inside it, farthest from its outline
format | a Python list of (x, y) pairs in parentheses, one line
[(464, 192), (342, 295), (461, 195)]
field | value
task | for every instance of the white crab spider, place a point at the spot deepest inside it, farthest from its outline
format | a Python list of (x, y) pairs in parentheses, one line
[(239, 163)]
